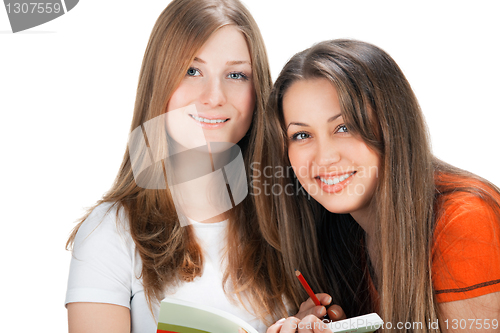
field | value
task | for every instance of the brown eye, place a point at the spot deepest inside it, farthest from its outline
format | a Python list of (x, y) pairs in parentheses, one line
[(299, 136)]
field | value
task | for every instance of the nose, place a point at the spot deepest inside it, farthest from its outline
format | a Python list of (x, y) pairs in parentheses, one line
[(213, 94), (327, 153)]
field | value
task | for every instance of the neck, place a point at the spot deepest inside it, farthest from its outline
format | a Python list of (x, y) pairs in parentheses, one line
[(367, 219), (199, 187), (218, 218)]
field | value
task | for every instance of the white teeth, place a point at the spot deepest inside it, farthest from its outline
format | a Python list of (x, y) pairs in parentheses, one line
[(208, 121), (333, 181)]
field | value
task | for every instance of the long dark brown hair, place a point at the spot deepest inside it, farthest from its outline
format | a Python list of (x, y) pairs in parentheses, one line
[(168, 251), (379, 106)]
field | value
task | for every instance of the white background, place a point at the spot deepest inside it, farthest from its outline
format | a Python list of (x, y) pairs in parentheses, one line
[(67, 91)]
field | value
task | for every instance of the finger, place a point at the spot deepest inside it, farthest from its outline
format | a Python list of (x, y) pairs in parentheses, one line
[(322, 328), (308, 307), (312, 324), (335, 313), (306, 324), (289, 325), (324, 299), (275, 328), (318, 311)]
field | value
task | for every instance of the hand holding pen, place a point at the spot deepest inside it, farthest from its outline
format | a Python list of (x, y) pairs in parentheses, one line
[(312, 313), (317, 303)]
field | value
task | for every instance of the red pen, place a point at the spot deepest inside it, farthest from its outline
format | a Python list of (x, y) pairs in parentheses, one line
[(307, 288)]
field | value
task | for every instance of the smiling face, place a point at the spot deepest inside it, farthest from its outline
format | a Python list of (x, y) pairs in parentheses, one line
[(334, 166), (219, 84)]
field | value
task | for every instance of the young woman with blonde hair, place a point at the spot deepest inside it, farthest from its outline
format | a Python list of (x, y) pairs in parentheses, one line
[(130, 250), (373, 218)]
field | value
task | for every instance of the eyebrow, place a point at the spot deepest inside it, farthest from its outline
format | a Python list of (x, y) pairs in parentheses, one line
[(199, 60), (237, 62), (229, 63), (306, 125)]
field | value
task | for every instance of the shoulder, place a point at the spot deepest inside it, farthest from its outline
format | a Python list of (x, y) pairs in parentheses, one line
[(106, 226), (463, 213), (105, 218), (466, 248), (104, 266)]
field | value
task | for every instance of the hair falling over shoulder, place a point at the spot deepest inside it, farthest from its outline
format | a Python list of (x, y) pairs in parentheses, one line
[(378, 105), (168, 251)]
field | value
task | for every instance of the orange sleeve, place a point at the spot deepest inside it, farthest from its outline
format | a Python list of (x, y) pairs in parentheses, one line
[(466, 250)]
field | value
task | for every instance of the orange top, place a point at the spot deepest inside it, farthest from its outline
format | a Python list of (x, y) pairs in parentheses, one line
[(466, 250)]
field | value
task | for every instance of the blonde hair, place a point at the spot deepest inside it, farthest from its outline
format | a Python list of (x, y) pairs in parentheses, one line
[(168, 251)]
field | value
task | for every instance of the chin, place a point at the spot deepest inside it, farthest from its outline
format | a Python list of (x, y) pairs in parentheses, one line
[(334, 205), (220, 146)]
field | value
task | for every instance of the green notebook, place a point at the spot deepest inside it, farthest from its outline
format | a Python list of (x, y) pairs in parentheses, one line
[(178, 316)]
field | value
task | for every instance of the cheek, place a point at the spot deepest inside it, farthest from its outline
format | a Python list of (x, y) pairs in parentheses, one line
[(243, 99), (370, 165), (375, 170), (181, 97), (248, 105), (299, 160)]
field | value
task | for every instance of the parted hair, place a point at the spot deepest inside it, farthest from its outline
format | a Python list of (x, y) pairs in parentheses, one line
[(379, 106), (168, 251)]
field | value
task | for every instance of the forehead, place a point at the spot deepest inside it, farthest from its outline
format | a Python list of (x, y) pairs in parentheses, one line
[(226, 44), (309, 97)]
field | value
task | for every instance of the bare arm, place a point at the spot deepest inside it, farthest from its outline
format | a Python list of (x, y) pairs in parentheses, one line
[(97, 318), (478, 314)]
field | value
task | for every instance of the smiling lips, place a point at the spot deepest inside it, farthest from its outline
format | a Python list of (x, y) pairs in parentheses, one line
[(332, 184), (204, 122)]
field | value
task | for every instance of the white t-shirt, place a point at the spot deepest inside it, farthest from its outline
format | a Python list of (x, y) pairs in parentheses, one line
[(105, 269)]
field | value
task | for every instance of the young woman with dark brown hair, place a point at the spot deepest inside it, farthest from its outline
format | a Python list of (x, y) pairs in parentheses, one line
[(372, 217), (205, 61)]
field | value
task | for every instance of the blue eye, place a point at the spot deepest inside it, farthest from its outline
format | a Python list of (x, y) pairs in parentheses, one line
[(300, 136), (193, 72), (342, 129), (237, 76)]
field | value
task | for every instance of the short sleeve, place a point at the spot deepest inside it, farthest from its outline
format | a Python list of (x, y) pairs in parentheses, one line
[(466, 251), (102, 264)]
